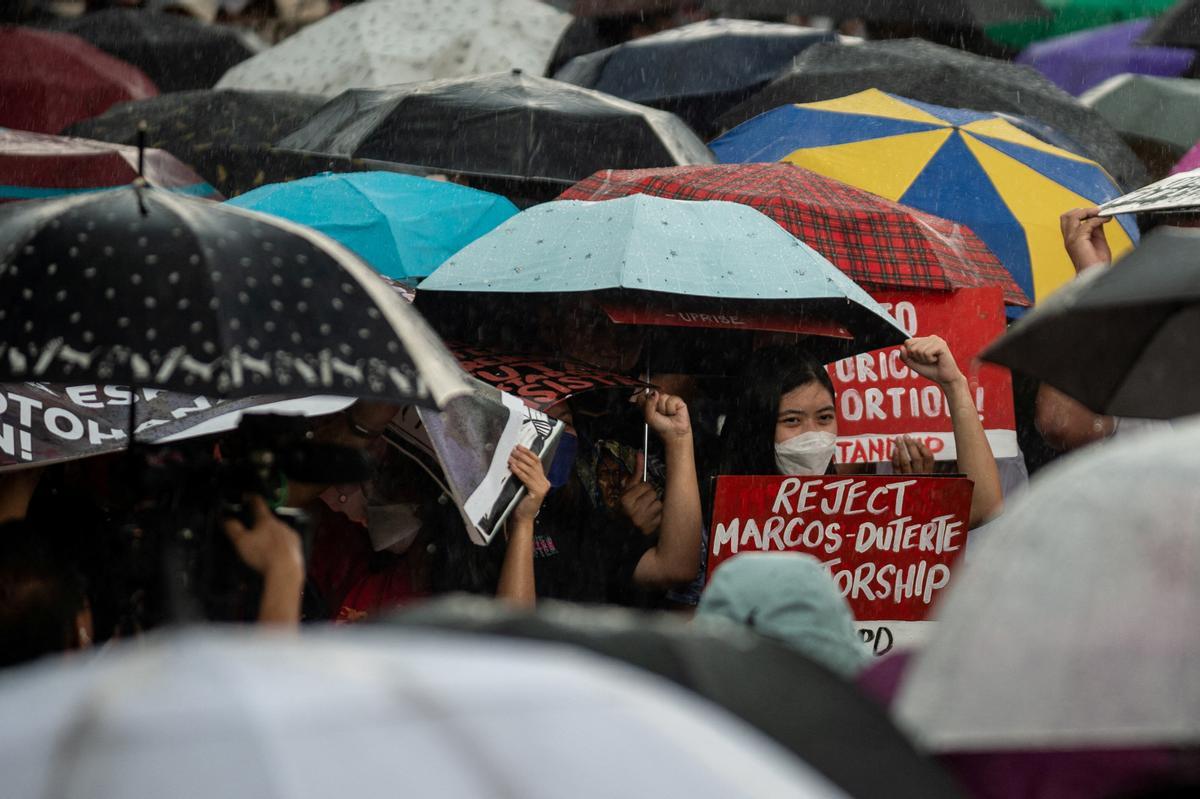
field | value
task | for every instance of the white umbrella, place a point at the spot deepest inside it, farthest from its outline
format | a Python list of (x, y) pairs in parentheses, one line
[(208, 714), (1074, 625), (376, 44)]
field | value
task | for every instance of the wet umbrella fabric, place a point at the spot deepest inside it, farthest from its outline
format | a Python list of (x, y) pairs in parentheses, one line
[(37, 165), (504, 124), (1121, 341), (382, 43), (698, 71), (1165, 111), (1072, 627), (193, 715), (654, 251), (204, 128), (176, 52), (1179, 26), (149, 288), (944, 76), (49, 80), (973, 168), (878, 243), (1071, 16), (404, 226), (1079, 61), (51, 423), (956, 13), (803, 706)]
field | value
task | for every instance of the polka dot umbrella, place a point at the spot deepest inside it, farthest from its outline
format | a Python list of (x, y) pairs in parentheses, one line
[(145, 287)]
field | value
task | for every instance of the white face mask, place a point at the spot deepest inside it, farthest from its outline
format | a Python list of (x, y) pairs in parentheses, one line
[(807, 453), (393, 527)]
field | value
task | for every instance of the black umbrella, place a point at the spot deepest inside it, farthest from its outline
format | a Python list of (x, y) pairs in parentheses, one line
[(222, 134), (1123, 342), (145, 287), (959, 13), (1178, 27), (944, 76), (177, 52), (501, 125), (698, 71), (800, 704)]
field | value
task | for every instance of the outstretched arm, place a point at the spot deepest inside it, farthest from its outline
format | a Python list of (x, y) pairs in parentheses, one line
[(675, 558), (930, 357), (516, 575)]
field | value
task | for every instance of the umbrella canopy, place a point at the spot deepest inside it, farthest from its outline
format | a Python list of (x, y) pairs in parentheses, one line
[(505, 124), (660, 252), (1070, 16), (1078, 61), (973, 168), (879, 243), (146, 287), (1163, 111), (957, 13), (175, 51), (49, 80), (801, 705), (404, 226), (240, 715), (698, 71), (1121, 342), (37, 165), (944, 76), (1178, 27), (369, 45), (1073, 627), (201, 128)]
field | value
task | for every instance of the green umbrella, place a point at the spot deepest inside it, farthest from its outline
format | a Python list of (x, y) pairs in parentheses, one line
[(1068, 16)]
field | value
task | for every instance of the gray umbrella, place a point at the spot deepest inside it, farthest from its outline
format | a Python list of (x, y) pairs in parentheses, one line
[(1163, 111), (1122, 341), (941, 75)]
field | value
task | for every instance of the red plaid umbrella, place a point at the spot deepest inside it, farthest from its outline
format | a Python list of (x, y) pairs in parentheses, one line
[(879, 243), (37, 165), (49, 80)]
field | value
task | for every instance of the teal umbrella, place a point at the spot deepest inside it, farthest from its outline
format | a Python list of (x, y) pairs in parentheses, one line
[(660, 262), (402, 225)]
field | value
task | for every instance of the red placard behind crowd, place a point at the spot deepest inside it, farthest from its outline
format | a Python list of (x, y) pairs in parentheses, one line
[(880, 398)]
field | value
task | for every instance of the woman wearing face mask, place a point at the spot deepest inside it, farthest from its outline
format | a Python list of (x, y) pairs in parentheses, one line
[(786, 421), (561, 546)]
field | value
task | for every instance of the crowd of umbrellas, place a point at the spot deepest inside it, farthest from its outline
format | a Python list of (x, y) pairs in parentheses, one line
[(224, 223)]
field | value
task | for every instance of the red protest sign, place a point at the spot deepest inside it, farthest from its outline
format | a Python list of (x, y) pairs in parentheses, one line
[(880, 398), (890, 542)]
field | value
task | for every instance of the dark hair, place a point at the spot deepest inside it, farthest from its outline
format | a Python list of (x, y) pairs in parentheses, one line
[(748, 438), (40, 597)]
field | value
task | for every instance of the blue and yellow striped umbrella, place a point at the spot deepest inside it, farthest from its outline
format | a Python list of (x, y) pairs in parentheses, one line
[(970, 167)]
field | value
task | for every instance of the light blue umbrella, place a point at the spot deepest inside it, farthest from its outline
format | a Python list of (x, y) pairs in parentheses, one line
[(402, 225), (661, 252)]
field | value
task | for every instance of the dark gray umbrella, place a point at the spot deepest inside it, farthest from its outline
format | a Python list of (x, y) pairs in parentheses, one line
[(799, 703), (223, 134), (963, 13), (502, 125), (941, 75), (1125, 341), (1178, 27), (698, 71)]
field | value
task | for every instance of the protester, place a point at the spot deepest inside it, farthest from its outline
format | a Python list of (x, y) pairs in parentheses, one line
[(1063, 422), (786, 420), (584, 552), (791, 598)]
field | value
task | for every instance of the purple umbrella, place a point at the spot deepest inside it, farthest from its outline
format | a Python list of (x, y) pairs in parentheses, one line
[(1079, 61), (1190, 160)]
